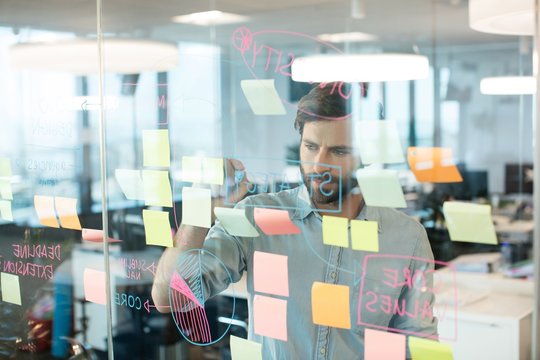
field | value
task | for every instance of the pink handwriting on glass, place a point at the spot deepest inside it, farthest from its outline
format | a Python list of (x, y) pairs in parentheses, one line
[(395, 278)]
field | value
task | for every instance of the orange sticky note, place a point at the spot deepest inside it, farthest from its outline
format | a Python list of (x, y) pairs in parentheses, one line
[(157, 228), (335, 231), (270, 317), (433, 164), (330, 305), (94, 286), (275, 222), (45, 210), (67, 212), (365, 235), (94, 235), (384, 345), (270, 272)]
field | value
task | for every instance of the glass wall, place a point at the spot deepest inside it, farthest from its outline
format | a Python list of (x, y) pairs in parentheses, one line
[(112, 176)]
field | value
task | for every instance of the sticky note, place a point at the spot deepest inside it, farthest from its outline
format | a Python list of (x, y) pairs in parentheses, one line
[(66, 208), (242, 349), (275, 222), (423, 349), (212, 169), (335, 231), (235, 222), (94, 235), (330, 305), (384, 345), (378, 142), (11, 290), (270, 317), (381, 188), (130, 182), (5, 167), (45, 210), (156, 148), (5, 210), (5, 189), (196, 207), (94, 286), (270, 273), (192, 169), (433, 164), (365, 235), (157, 188), (262, 97), (157, 228), (469, 222)]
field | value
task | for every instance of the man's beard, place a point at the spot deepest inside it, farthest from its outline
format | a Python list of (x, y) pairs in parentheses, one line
[(328, 191)]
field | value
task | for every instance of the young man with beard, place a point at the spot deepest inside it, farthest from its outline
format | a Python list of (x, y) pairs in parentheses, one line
[(388, 294)]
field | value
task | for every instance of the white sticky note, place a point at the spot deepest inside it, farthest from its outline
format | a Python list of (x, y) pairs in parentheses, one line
[(235, 222), (11, 289), (5, 210), (156, 148), (212, 171), (242, 349), (469, 222), (5, 189), (157, 188), (378, 142), (130, 182), (381, 188), (262, 97), (5, 167), (192, 169), (196, 207)]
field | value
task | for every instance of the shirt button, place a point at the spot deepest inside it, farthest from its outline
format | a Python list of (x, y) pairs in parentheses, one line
[(333, 274), (323, 351)]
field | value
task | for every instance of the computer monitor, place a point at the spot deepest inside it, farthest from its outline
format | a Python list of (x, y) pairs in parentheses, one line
[(518, 178)]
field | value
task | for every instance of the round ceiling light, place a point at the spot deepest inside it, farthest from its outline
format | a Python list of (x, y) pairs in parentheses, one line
[(505, 17)]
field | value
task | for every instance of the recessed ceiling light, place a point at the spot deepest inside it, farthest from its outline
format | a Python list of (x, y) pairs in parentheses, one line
[(347, 37), (213, 17)]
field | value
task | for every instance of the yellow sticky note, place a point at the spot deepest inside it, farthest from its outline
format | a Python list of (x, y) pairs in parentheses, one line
[(469, 222), (66, 208), (365, 235), (335, 231), (423, 349), (45, 210), (330, 305), (5, 189), (5, 210), (378, 142), (157, 188), (242, 349), (196, 207), (262, 97), (11, 290), (212, 171), (157, 228), (156, 148), (235, 222), (381, 188), (5, 167), (192, 169), (131, 183)]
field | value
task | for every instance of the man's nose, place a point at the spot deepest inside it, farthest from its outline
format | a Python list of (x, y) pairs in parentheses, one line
[(321, 163)]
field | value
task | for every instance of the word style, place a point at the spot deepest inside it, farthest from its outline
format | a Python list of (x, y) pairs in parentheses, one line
[(134, 267), (131, 301), (29, 251)]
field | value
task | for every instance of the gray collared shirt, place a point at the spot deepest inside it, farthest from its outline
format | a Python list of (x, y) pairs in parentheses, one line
[(389, 290)]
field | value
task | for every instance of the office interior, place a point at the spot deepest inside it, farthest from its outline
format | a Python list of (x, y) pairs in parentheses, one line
[(81, 83)]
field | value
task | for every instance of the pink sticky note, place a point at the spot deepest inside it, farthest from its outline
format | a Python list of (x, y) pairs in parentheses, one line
[(383, 345), (94, 286), (271, 274), (270, 317), (94, 235), (275, 222)]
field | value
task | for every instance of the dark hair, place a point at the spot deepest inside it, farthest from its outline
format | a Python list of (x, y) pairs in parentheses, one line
[(325, 101)]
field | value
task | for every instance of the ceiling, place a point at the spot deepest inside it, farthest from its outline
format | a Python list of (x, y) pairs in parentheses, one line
[(396, 23)]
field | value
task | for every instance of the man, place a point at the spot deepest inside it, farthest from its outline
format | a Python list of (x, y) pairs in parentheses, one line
[(382, 294)]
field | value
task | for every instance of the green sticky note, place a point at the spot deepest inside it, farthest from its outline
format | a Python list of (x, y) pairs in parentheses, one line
[(262, 97), (11, 290), (212, 171), (365, 235), (156, 149), (242, 349), (5, 167), (378, 142), (469, 222), (192, 169), (235, 222), (5, 210), (423, 349), (381, 188), (335, 231), (157, 188), (131, 183), (196, 207), (5, 189), (157, 228)]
